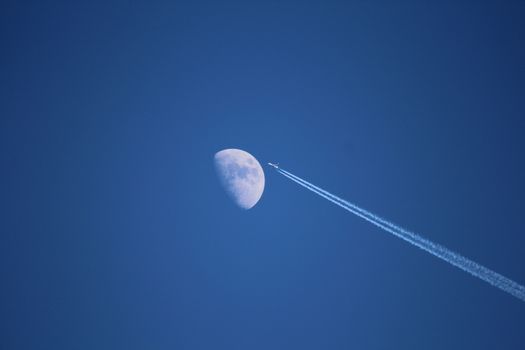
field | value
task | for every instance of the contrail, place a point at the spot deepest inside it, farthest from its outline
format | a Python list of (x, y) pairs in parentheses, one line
[(435, 249)]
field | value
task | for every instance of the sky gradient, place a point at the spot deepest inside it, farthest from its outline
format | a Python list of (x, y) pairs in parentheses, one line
[(116, 232)]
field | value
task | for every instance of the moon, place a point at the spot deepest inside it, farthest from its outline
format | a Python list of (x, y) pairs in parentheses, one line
[(241, 175)]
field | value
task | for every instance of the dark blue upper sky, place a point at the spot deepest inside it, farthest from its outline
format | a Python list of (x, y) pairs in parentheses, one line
[(115, 232)]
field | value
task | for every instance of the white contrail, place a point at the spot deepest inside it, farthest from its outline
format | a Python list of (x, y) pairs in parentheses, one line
[(441, 252)]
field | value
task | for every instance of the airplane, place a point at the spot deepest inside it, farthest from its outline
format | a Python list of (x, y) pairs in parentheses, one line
[(276, 166)]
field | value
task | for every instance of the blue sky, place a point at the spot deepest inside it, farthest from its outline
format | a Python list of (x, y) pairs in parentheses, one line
[(116, 232)]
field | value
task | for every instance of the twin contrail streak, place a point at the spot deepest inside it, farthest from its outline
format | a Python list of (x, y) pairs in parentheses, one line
[(435, 249)]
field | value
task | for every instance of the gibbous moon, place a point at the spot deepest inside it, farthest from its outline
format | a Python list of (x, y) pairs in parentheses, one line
[(241, 176)]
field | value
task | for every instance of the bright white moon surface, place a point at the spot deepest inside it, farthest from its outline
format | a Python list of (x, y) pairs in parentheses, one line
[(241, 176)]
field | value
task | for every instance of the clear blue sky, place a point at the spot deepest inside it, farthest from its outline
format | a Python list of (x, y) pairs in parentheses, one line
[(115, 232)]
